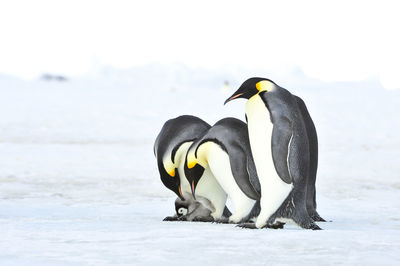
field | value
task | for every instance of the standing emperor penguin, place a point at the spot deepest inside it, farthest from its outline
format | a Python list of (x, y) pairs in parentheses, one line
[(280, 148), (225, 150), (170, 149)]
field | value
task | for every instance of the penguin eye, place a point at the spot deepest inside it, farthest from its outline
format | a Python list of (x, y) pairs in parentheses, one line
[(182, 211)]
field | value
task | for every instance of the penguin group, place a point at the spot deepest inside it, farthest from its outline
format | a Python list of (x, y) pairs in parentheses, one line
[(267, 167)]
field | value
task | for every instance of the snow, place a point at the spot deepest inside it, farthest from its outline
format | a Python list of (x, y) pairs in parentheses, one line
[(79, 183)]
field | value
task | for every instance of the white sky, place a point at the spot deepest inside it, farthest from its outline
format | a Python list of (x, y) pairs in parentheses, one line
[(329, 40)]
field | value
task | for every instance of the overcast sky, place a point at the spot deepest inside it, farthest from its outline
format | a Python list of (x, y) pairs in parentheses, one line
[(331, 41)]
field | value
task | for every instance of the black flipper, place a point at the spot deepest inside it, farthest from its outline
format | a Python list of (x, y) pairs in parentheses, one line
[(281, 135), (240, 171), (253, 177)]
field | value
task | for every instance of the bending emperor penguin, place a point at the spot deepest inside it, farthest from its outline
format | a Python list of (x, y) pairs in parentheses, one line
[(170, 149), (280, 148), (225, 150)]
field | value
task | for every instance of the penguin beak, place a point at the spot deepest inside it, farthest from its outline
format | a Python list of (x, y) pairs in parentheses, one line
[(180, 193), (234, 96), (193, 189)]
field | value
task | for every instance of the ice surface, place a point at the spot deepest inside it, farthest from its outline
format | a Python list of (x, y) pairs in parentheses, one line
[(79, 183)]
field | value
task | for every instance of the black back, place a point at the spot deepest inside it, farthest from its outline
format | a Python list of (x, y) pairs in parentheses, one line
[(313, 148), (232, 136)]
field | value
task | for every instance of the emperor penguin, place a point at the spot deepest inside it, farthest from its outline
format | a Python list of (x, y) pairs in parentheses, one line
[(280, 148), (170, 149), (225, 150)]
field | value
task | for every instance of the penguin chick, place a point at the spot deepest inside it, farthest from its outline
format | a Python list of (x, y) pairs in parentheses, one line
[(192, 210)]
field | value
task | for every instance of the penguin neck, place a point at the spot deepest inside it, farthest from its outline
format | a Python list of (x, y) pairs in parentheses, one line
[(180, 164), (265, 85), (181, 152), (203, 152), (256, 105), (170, 165)]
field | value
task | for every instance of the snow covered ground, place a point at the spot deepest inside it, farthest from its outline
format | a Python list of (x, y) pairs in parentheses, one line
[(79, 184)]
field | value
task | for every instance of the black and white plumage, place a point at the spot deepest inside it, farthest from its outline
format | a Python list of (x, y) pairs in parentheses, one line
[(170, 149), (281, 152), (225, 150)]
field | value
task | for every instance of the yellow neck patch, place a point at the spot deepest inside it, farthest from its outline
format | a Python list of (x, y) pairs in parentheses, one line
[(191, 159), (172, 172), (191, 164), (169, 166), (201, 159), (265, 85)]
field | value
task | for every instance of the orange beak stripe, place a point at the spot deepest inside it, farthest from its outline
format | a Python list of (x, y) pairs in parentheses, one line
[(233, 97), (180, 191)]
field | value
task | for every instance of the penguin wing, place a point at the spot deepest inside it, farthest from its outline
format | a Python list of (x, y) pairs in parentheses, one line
[(251, 169), (246, 180), (281, 136)]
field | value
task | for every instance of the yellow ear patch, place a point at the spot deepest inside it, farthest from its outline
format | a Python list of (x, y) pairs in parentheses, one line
[(264, 85)]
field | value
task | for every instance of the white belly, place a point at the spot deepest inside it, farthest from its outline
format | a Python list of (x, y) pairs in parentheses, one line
[(207, 187), (273, 190), (219, 163), (180, 160)]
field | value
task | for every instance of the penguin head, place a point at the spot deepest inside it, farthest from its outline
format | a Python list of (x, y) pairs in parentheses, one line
[(251, 87), (195, 165), (170, 176), (181, 211), (181, 208)]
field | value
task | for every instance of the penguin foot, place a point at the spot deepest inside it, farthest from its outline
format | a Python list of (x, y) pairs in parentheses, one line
[(315, 227), (171, 219), (316, 217), (305, 222), (206, 219), (247, 225), (277, 225), (223, 220), (312, 226)]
